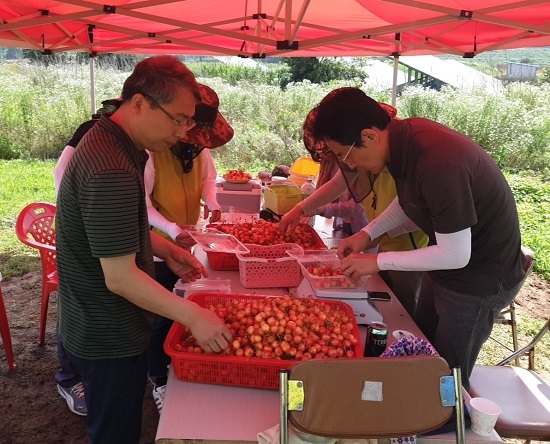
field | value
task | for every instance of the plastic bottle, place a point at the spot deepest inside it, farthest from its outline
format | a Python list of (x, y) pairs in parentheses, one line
[(308, 188)]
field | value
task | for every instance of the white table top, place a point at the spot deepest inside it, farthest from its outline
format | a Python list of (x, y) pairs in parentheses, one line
[(215, 413)]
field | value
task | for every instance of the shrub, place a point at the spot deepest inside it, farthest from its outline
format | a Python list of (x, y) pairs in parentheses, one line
[(514, 127), (43, 105)]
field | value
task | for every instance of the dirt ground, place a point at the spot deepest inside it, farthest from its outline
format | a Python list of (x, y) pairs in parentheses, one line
[(31, 410)]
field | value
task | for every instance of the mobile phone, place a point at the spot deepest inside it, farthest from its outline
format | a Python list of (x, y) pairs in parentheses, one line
[(379, 295)]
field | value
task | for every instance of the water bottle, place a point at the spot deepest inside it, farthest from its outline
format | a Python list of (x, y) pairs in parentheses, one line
[(308, 188)]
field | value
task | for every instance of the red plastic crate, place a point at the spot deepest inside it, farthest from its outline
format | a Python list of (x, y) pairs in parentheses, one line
[(222, 261), (232, 370), (269, 266)]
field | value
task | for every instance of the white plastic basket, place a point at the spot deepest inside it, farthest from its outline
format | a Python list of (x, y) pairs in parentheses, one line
[(270, 266)]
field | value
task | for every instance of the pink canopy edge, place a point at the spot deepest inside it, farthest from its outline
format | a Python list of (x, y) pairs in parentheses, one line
[(275, 28)]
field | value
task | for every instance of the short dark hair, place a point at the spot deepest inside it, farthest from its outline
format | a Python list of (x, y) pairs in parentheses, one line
[(160, 77), (344, 113)]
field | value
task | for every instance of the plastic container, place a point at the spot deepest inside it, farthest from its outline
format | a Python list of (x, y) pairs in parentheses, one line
[(222, 261), (308, 188), (230, 262), (247, 196), (283, 197), (320, 259), (269, 266), (302, 168), (221, 369), (201, 286), (212, 240)]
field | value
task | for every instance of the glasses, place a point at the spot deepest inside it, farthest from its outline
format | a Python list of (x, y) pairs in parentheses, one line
[(347, 154), (186, 153), (184, 125)]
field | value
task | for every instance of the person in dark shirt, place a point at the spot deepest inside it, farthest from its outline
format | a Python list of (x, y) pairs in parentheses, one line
[(107, 292), (451, 189), (109, 106)]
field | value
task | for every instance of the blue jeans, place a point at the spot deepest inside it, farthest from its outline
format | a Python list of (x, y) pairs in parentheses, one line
[(458, 324), (114, 396), (158, 360)]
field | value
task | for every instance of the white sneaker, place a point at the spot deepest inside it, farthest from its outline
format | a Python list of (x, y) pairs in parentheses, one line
[(158, 396)]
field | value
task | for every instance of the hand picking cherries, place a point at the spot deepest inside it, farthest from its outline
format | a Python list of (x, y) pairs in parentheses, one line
[(326, 276)]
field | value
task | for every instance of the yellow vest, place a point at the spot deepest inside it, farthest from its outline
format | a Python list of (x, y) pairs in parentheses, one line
[(176, 195), (375, 203)]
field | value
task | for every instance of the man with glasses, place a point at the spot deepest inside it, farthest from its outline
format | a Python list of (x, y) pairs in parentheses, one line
[(176, 181), (449, 187), (107, 292), (373, 193), (67, 378), (185, 123)]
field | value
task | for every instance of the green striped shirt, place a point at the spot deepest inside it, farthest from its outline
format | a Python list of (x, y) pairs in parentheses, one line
[(101, 213)]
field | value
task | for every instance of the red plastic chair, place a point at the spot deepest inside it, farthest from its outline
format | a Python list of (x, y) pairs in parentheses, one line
[(35, 228), (5, 331)]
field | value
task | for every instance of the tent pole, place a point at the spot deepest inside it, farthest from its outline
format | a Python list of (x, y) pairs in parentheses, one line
[(92, 83), (394, 86)]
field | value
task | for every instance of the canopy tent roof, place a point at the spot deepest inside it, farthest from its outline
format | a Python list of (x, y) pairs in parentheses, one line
[(275, 28)]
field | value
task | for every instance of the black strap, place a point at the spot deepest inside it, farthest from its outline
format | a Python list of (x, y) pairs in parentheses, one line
[(411, 237)]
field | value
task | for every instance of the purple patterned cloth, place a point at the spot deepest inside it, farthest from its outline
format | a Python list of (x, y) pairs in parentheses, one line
[(408, 347)]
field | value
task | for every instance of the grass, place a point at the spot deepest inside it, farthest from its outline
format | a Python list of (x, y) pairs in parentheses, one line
[(493, 352), (43, 105), (21, 182)]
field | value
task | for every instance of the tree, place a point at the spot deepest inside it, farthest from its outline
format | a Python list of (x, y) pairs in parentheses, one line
[(320, 70), (544, 75), (123, 62)]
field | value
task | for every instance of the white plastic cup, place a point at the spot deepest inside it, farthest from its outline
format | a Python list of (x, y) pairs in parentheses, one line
[(484, 414)]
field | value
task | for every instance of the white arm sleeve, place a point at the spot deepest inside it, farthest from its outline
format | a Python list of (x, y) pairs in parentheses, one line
[(208, 192), (156, 219), (392, 217), (452, 251), (407, 227), (328, 192), (346, 209), (61, 166)]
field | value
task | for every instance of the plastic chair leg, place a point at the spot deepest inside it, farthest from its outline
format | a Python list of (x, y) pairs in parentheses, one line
[(46, 291), (514, 326), (5, 333)]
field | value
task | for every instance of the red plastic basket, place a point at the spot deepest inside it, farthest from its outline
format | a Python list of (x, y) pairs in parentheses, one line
[(222, 261), (269, 266), (230, 262), (319, 244), (233, 370)]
